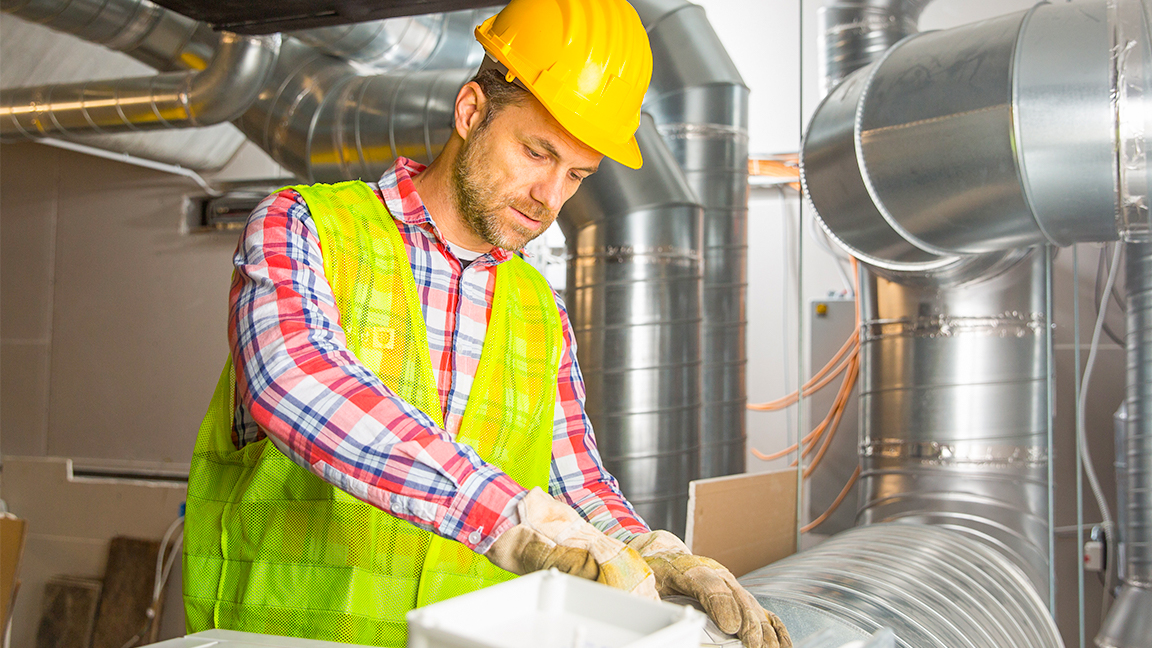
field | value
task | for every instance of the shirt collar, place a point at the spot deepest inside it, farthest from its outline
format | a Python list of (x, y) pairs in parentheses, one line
[(405, 205)]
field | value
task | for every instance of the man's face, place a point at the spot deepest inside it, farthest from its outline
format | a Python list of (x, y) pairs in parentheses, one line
[(512, 175)]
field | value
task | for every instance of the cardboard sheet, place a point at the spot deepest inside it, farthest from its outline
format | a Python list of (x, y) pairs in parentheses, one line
[(743, 521)]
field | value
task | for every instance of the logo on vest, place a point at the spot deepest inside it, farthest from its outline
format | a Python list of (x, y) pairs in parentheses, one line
[(382, 337)]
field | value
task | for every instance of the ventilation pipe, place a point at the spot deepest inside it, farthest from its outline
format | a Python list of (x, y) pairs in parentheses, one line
[(634, 293), (853, 34), (1129, 622), (934, 588), (700, 105), (323, 120), (409, 42), (219, 93), (151, 34)]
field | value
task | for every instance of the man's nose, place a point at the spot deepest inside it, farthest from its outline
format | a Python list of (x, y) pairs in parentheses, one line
[(550, 191)]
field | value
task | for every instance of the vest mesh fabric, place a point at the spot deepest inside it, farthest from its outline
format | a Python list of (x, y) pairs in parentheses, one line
[(272, 548)]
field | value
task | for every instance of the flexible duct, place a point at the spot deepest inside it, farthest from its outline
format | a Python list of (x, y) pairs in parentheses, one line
[(700, 105), (1129, 623), (934, 587), (148, 32), (634, 294), (219, 93)]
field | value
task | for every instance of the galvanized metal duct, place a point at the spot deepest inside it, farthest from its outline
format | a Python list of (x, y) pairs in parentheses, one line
[(934, 587), (853, 34), (325, 121), (634, 294), (1129, 623), (410, 42), (144, 30), (700, 105), (954, 409), (219, 93), (986, 137)]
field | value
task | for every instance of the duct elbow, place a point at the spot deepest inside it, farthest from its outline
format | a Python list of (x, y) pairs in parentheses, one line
[(233, 79)]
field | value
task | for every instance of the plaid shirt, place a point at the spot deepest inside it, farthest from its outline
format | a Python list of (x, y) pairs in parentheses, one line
[(298, 384)]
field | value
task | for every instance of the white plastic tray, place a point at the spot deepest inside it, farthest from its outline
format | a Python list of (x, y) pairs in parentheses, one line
[(553, 610)]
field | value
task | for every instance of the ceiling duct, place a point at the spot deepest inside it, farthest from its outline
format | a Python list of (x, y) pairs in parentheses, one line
[(153, 35), (218, 93)]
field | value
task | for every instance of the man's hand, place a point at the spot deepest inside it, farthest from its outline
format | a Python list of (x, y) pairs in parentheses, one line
[(733, 609), (551, 534)]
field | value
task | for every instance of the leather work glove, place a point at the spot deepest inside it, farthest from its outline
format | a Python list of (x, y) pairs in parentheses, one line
[(733, 609), (552, 534)]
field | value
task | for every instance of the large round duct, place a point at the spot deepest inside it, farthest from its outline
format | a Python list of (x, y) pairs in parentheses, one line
[(933, 587), (634, 295), (991, 136)]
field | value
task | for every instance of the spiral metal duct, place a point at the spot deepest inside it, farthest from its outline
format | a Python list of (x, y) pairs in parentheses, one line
[(700, 105), (853, 34), (325, 121), (218, 93), (934, 587), (149, 33), (953, 404), (634, 294), (1129, 623), (410, 42)]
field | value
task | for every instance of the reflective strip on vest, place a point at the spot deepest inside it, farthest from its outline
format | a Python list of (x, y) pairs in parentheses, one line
[(271, 548)]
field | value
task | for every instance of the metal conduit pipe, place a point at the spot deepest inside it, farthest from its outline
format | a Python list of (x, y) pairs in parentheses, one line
[(953, 408), (1129, 622), (700, 105), (408, 42), (219, 93), (634, 294), (144, 30), (934, 587)]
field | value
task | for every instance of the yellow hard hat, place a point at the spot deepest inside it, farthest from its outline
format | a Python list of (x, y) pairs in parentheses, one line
[(587, 61)]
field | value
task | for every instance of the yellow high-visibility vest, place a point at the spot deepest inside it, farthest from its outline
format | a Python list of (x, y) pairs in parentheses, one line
[(270, 547)]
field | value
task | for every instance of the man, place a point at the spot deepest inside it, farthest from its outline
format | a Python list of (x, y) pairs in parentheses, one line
[(417, 380)]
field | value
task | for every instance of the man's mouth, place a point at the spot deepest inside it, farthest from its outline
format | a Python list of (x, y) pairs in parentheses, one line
[(525, 219)]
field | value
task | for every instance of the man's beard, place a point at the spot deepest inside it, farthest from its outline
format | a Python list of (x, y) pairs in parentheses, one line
[(480, 202)]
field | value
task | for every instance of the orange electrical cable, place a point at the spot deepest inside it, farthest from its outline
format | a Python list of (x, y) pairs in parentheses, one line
[(846, 390), (836, 504), (816, 382)]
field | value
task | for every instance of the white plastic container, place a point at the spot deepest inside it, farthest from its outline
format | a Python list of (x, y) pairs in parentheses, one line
[(553, 610)]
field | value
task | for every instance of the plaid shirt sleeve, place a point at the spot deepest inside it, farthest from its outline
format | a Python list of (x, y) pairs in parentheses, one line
[(578, 475), (328, 412)]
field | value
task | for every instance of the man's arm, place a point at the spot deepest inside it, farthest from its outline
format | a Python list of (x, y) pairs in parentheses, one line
[(578, 476), (327, 411)]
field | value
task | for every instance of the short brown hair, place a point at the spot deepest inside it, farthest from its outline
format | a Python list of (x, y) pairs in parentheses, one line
[(498, 92)]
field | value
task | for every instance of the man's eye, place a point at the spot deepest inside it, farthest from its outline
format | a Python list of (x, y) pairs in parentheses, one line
[(534, 154)]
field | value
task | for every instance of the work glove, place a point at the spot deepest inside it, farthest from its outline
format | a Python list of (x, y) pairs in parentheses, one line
[(551, 534), (729, 605)]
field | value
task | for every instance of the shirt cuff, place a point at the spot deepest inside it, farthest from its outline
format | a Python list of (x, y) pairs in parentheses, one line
[(483, 509)]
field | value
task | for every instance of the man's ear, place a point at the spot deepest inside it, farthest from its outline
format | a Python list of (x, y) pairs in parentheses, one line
[(471, 105)]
